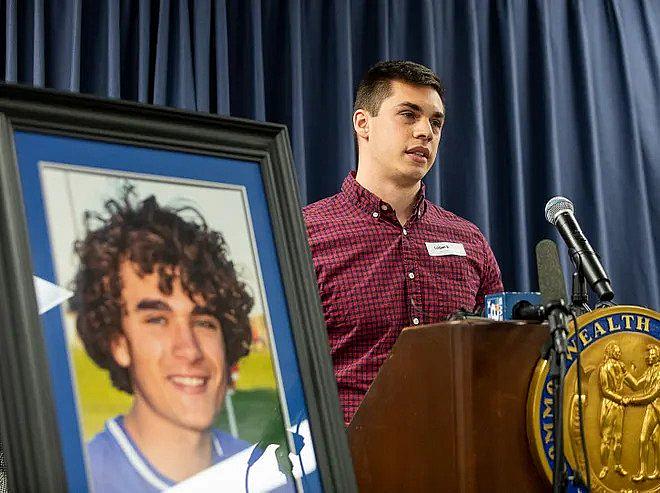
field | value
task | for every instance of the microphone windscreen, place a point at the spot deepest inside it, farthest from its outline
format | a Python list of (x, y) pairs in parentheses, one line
[(557, 205), (551, 277)]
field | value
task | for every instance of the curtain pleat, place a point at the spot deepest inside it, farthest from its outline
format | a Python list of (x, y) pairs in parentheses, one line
[(38, 71), (222, 74), (161, 75), (75, 24), (182, 59), (143, 48), (11, 46), (202, 49), (297, 103), (246, 74), (543, 98), (475, 98), (341, 70), (114, 71)]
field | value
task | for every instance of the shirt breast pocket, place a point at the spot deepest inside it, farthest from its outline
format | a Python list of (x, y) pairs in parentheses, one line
[(457, 280)]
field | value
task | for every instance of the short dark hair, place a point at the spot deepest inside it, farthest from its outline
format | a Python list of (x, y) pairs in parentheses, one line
[(376, 84), (155, 239)]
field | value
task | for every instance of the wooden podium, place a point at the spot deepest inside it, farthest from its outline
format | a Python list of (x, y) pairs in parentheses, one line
[(447, 411)]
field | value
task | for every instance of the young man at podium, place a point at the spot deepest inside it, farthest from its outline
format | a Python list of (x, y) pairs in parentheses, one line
[(385, 257)]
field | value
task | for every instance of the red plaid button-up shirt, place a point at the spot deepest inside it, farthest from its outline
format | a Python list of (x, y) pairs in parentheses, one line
[(376, 277)]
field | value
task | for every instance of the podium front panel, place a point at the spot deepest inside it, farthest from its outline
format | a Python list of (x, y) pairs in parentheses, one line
[(447, 411)]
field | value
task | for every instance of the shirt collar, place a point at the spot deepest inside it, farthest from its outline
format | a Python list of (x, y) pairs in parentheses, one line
[(140, 463), (370, 203)]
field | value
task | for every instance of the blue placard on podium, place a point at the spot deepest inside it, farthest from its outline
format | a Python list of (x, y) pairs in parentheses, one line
[(500, 305)]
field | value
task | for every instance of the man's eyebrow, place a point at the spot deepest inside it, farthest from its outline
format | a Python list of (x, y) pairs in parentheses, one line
[(418, 108), (202, 310), (162, 306), (148, 304), (410, 105)]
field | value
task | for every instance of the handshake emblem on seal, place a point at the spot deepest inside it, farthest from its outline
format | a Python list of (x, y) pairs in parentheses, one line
[(620, 389)]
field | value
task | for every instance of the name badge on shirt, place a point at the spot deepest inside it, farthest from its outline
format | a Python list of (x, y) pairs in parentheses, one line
[(442, 248)]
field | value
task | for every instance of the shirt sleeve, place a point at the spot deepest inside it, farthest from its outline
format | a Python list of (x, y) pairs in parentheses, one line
[(491, 279)]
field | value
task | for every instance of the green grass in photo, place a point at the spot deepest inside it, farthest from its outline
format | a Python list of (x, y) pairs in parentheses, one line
[(258, 416)]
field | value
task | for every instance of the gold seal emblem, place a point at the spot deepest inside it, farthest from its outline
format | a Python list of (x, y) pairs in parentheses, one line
[(619, 403)]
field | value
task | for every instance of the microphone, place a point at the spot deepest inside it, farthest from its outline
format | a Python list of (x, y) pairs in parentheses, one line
[(559, 212), (524, 310), (551, 285), (551, 277)]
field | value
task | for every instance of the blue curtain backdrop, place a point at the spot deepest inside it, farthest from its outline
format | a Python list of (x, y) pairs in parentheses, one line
[(545, 97)]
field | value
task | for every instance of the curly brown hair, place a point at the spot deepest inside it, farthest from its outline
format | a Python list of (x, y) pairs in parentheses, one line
[(156, 239)]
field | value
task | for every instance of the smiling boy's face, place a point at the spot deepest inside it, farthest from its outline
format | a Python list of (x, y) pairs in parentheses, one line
[(174, 351)]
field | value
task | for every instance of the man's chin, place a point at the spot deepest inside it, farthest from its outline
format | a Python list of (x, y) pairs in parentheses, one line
[(196, 420), (197, 425), (411, 176)]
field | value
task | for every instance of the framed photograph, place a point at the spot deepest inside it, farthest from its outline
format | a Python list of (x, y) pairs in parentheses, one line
[(160, 316)]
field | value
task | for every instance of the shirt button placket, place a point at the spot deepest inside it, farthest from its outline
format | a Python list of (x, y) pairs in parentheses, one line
[(413, 285), (414, 307)]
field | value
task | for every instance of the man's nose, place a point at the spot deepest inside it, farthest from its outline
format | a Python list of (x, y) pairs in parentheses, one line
[(185, 343), (423, 129)]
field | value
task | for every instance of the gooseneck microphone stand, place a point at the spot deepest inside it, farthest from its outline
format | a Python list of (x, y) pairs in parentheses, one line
[(579, 294), (556, 313)]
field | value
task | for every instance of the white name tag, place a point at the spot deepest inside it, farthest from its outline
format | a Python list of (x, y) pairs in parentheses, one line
[(443, 248)]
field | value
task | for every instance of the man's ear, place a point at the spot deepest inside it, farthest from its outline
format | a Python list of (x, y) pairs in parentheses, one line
[(120, 351), (361, 123)]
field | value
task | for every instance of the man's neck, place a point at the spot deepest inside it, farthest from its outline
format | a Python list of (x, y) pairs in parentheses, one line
[(175, 452), (401, 197)]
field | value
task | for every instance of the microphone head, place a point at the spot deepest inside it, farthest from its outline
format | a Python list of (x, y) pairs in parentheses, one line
[(557, 205)]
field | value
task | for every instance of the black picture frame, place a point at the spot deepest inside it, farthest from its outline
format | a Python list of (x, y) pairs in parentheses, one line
[(28, 429)]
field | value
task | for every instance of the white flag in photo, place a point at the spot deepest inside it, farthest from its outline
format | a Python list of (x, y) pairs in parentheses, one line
[(49, 295)]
